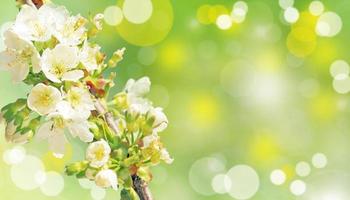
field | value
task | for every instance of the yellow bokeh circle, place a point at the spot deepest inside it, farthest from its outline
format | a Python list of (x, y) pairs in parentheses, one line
[(152, 31)]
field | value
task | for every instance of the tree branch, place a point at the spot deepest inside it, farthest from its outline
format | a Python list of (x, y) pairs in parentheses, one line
[(139, 185), (141, 188)]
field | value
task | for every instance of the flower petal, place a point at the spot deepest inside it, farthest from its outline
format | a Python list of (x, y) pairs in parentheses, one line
[(44, 131), (73, 75)]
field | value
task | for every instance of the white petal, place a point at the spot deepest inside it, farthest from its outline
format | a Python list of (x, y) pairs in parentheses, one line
[(6, 58), (57, 141), (73, 75), (36, 62), (139, 88), (44, 131), (65, 110), (19, 71), (81, 130), (67, 55)]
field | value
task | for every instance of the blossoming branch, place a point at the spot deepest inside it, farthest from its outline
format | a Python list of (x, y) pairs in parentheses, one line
[(50, 49)]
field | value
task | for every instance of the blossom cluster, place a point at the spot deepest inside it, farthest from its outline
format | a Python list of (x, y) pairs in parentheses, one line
[(51, 50)]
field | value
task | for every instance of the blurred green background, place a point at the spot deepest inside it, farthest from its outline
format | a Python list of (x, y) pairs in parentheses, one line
[(257, 94)]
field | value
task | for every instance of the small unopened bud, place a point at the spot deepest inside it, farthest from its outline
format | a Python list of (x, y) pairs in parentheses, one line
[(76, 168), (121, 100), (98, 21), (116, 58)]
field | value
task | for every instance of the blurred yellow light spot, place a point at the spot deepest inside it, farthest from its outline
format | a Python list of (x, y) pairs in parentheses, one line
[(203, 14), (301, 41), (324, 54), (208, 14), (52, 163), (269, 61), (323, 106), (151, 31), (306, 20), (173, 55), (289, 170), (264, 148), (204, 109)]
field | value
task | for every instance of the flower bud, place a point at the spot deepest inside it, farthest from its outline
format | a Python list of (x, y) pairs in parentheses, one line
[(116, 57), (90, 174), (98, 153), (98, 21), (121, 101), (76, 168)]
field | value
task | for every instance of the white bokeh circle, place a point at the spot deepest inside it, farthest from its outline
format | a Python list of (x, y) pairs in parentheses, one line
[(245, 182)]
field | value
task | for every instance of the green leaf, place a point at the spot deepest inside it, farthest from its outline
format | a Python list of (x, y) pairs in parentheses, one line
[(129, 194)]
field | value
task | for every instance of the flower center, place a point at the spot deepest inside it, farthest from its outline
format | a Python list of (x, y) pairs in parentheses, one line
[(58, 69), (74, 98), (58, 122), (99, 153), (45, 99)]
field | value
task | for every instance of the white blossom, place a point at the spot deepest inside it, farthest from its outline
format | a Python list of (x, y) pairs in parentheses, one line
[(88, 56), (32, 25), (80, 100), (53, 131), (59, 121), (161, 120), (43, 99), (59, 64), (72, 31), (107, 178), (18, 56), (138, 88), (98, 153)]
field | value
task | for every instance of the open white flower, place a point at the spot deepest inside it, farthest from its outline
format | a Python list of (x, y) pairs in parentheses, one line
[(81, 102), (88, 56), (98, 153), (40, 24), (53, 130), (58, 64), (31, 25), (43, 99), (138, 88), (72, 32), (18, 56), (161, 120), (107, 178)]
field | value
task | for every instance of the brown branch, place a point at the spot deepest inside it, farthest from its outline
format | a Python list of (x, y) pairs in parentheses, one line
[(141, 188), (102, 111)]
